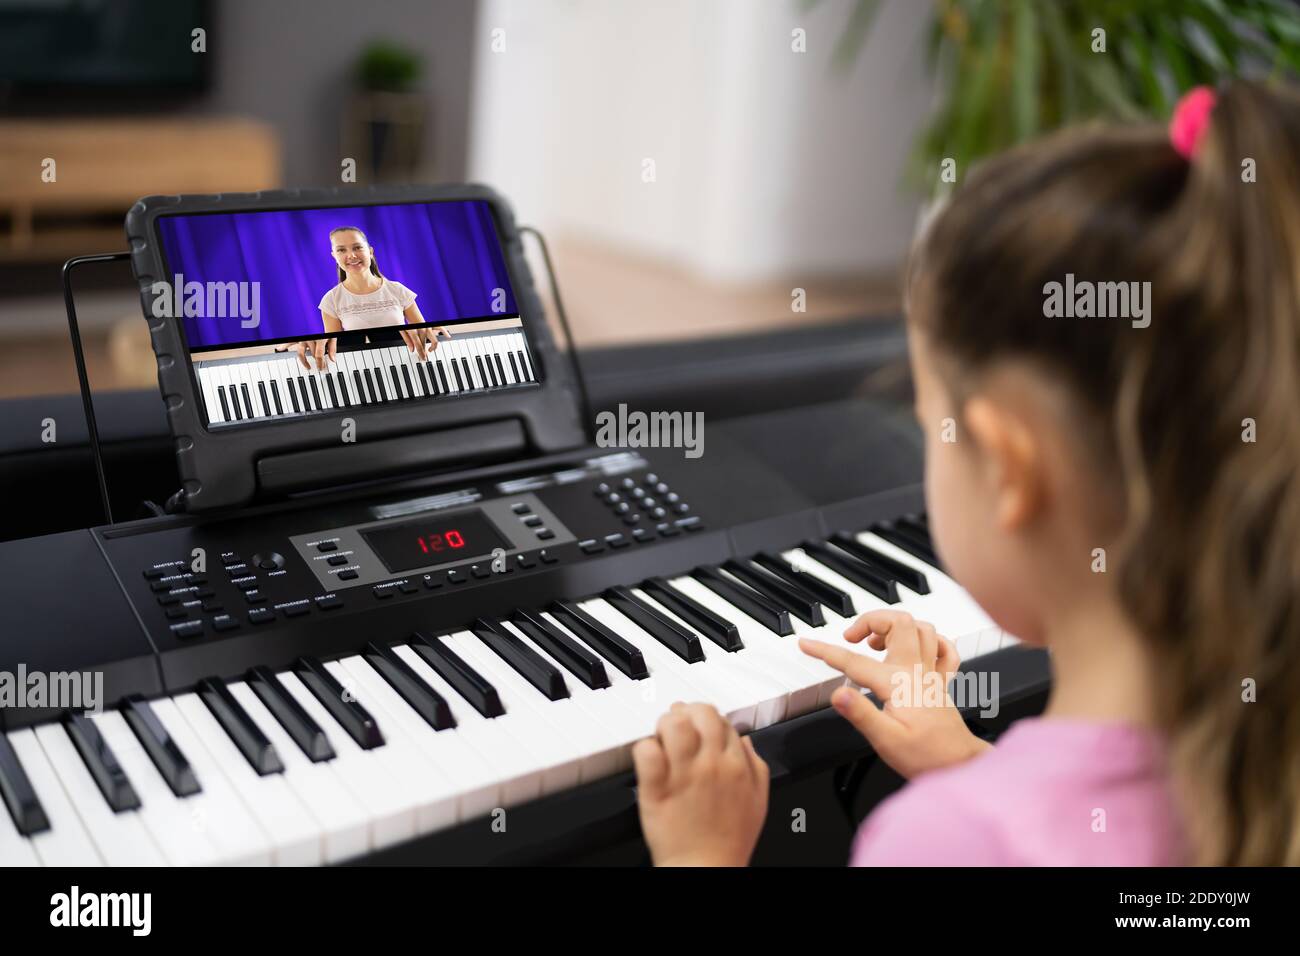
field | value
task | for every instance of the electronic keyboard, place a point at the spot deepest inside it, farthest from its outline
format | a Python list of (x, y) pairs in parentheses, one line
[(351, 675), (279, 386)]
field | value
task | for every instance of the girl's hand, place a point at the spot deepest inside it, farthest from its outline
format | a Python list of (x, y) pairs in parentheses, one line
[(914, 732), (423, 341), (702, 790), (318, 349)]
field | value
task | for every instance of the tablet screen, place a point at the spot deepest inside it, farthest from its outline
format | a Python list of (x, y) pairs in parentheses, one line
[(295, 312)]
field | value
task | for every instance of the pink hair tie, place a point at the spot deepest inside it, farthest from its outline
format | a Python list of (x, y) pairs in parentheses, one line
[(1190, 120)]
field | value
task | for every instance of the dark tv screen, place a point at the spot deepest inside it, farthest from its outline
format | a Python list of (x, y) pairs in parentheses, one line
[(102, 46)]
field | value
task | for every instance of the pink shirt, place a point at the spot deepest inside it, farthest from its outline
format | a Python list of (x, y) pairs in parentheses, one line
[(1050, 793)]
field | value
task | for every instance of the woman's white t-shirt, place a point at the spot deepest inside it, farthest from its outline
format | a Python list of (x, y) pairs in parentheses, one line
[(373, 310)]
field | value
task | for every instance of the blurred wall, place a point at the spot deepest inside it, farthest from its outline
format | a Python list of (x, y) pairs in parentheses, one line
[(768, 163), (290, 63)]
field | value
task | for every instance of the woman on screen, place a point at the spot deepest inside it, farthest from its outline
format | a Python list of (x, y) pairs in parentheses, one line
[(365, 299)]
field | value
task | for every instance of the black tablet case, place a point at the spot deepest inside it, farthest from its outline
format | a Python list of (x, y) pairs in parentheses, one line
[(237, 465)]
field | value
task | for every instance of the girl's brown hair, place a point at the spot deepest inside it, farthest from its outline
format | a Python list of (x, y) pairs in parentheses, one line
[(1196, 417), (374, 264)]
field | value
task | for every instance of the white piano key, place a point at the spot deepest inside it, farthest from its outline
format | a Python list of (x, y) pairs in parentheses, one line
[(166, 816), (121, 838), (456, 766), (210, 399), (437, 806), (343, 819), (66, 842), (294, 832), (393, 810), (518, 771), (522, 347), (948, 606), (217, 810)]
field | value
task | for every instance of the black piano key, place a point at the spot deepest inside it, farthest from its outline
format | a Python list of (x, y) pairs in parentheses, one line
[(331, 389), (233, 394), (291, 385), (397, 386), (306, 397), (460, 382), (341, 384), (775, 619), (379, 385), (406, 377), (579, 661), (102, 763), (315, 393), (519, 375), (523, 366), (482, 372), (778, 592), (225, 409), (160, 746), (501, 371), (248, 401), (909, 523), (716, 628), (469, 374), (293, 717), (266, 399), (239, 727), (363, 397), (430, 372), (19, 797), (904, 574), (467, 682), (424, 700), (529, 664), (275, 394), (340, 703), (619, 652), (906, 541), (857, 572), (440, 374), (831, 597), (663, 629)]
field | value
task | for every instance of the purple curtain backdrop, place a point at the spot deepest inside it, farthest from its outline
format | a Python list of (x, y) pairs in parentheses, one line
[(447, 253)]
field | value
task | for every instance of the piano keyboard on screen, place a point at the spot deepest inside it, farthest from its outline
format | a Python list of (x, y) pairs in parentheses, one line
[(414, 732), (258, 387)]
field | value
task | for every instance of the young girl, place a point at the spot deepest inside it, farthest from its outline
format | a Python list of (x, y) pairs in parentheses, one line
[(1123, 490), (365, 299)]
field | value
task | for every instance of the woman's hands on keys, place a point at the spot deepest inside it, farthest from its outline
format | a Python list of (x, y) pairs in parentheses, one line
[(919, 728), (702, 789), (319, 350), (422, 341)]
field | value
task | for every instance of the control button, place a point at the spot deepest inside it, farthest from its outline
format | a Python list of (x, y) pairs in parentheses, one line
[(651, 478), (533, 521), (212, 604), (525, 561), (690, 524), (175, 613), (628, 483), (224, 622), (660, 488), (237, 569), (658, 514), (260, 615), (668, 530), (247, 585), (349, 575), (591, 546), (634, 518), (547, 557), (270, 561), (327, 602), (545, 534), (408, 587), (254, 597), (196, 580), (638, 492), (648, 502), (432, 581), (152, 574), (682, 508), (187, 628), (383, 591), (480, 571), (230, 557), (295, 610), (616, 541), (614, 498), (327, 546), (168, 599), (334, 560), (456, 576), (642, 535), (623, 508), (205, 593), (520, 508), (672, 497), (162, 586), (602, 489)]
